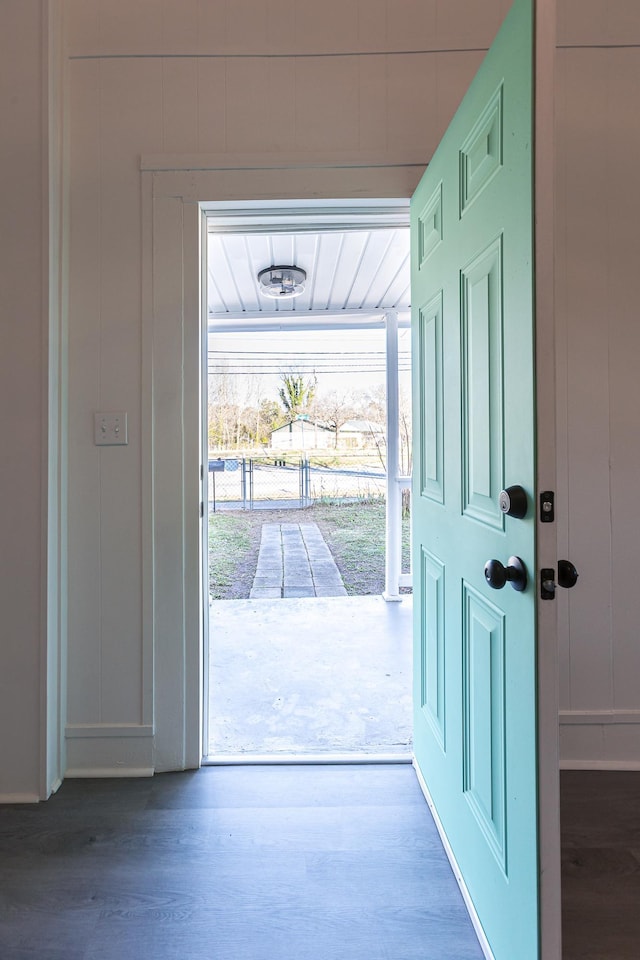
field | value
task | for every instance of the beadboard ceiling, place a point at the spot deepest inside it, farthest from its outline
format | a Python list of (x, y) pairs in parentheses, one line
[(354, 267)]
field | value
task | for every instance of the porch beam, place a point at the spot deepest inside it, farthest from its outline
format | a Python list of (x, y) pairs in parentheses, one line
[(393, 552), (268, 320)]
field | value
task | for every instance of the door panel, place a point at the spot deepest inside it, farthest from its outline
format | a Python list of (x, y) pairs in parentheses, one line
[(475, 647)]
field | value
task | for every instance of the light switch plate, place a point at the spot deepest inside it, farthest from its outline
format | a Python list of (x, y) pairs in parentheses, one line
[(110, 429)]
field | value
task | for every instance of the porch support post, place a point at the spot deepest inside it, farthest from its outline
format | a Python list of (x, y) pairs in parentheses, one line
[(393, 553)]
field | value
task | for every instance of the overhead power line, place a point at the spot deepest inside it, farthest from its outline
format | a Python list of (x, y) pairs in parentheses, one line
[(277, 370), (302, 353)]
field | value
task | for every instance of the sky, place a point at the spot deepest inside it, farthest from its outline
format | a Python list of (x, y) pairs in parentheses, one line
[(343, 360)]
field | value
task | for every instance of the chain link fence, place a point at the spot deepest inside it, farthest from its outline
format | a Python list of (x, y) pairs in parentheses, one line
[(248, 483)]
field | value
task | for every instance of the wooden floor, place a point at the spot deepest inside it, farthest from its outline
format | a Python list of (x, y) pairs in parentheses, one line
[(307, 862), (600, 818), (232, 863)]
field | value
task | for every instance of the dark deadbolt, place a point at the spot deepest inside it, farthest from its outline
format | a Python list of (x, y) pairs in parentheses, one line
[(515, 573), (567, 574), (513, 502)]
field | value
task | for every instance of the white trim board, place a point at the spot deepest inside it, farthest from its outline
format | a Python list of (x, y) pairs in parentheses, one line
[(107, 773), (598, 717), (180, 162), (600, 765), (105, 750), (174, 202), (303, 759), (82, 730), (599, 740), (6, 798)]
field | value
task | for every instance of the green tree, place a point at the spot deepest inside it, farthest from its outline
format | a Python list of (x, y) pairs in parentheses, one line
[(269, 417), (296, 394)]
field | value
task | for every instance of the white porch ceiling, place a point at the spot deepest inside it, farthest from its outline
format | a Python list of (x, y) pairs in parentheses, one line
[(351, 271)]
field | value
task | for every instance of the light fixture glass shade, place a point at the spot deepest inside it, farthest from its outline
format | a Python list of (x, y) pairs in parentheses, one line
[(283, 282)]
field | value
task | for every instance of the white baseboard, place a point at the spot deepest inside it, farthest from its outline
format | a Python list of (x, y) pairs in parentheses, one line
[(571, 764), (471, 910), (75, 731), (599, 739), (109, 750), (19, 798), (107, 773), (587, 718)]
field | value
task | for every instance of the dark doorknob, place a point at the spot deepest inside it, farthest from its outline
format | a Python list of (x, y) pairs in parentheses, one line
[(515, 573), (513, 502)]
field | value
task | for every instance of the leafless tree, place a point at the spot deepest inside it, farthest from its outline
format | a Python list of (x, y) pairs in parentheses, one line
[(335, 409)]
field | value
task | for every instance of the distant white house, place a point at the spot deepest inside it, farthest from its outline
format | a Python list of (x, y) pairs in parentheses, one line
[(303, 435), (361, 433)]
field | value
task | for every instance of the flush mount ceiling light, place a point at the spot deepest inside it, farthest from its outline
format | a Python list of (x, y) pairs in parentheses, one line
[(282, 283)]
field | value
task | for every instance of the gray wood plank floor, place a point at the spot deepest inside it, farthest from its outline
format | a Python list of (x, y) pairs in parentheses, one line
[(600, 819), (232, 863)]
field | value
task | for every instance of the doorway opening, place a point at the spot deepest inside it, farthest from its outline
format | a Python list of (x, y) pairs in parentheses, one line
[(308, 418)]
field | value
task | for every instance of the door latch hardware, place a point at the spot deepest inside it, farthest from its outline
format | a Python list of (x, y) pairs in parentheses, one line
[(547, 583), (567, 578), (547, 506)]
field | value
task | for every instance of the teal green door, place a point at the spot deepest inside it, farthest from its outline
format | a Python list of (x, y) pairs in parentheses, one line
[(473, 350)]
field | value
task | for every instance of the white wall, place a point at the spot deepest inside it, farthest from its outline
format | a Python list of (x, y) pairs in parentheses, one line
[(23, 398), (174, 78), (598, 256), (202, 97)]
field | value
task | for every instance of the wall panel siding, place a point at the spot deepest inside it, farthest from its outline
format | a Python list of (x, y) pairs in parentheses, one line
[(132, 118), (23, 385), (212, 106), (598, 399), (181, 25), (277, 76), (85, 605), (327, 103), (598, 22), (454, 74), (588, 384), (278, 27), (139, 84), (116, 110), (624, 258), (180, 105)]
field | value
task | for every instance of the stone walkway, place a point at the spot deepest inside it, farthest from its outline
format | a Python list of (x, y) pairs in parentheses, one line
[(295, 561)]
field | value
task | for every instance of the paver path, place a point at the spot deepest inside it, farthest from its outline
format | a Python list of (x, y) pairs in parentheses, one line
[(295, 561)]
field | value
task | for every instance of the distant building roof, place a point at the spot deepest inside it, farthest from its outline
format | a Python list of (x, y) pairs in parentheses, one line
[(298, 424), (361, 426)]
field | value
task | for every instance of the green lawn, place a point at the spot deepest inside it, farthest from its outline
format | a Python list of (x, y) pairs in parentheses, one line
[(230, 543), (354, 532)]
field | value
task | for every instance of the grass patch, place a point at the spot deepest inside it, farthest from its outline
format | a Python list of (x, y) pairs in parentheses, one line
[(231, 538), (354, 532)]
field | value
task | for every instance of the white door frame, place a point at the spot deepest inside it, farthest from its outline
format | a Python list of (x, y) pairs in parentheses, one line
[(174, 195)]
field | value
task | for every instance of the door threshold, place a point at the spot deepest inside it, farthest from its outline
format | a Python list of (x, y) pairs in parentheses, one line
[(275, 759)]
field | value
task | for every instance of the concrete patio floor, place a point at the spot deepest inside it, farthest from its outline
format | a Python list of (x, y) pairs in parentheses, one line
[(310, 676)]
